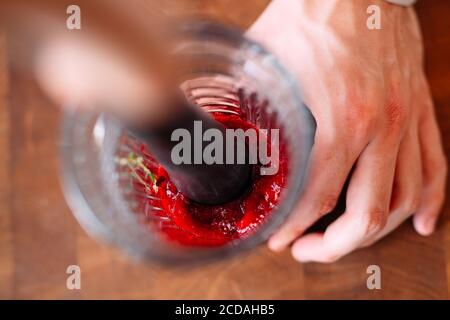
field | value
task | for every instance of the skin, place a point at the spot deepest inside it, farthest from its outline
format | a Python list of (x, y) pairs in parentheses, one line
[(369, 95), (106, 63), (366, 89)]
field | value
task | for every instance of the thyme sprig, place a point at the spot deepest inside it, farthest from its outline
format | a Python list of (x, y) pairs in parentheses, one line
[(135, 162)]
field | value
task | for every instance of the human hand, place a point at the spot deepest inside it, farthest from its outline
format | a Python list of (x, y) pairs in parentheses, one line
[(115, 61), (369, 95)]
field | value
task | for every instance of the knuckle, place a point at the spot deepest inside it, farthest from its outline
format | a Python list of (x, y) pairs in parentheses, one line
[(326, 205), (294, 230), (397, 115), (364, 129), (291, 229), (412, 203), (361, 121), (375, 221)]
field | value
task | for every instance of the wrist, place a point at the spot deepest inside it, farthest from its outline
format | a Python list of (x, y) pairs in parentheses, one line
[(405, 3)]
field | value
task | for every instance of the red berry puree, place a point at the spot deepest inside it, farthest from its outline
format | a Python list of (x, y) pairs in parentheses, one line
[(193, 224)]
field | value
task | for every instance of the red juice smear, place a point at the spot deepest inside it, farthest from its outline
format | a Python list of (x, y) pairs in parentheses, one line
[(194, 224)]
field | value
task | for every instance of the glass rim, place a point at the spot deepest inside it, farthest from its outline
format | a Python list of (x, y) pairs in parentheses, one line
[(86, 216)]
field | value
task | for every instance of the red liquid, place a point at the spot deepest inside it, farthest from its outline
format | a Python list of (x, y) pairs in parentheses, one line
[(194, 224)]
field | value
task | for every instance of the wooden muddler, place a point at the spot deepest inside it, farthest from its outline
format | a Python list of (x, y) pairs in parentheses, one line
[(119, 62)]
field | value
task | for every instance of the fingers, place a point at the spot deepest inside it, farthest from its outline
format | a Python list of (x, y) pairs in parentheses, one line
[(434, 172), (338, 240), (91, 76), (408, 174), (329, 168), (407, 187), (368, 200)]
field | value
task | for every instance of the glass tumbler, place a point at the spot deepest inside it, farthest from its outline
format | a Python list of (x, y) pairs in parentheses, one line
[(224, 68)]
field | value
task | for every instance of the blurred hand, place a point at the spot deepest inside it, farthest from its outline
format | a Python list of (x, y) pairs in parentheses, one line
[(117, 62), (369, 95)]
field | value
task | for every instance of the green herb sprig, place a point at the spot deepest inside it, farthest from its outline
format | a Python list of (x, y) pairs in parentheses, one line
[(135, 162)]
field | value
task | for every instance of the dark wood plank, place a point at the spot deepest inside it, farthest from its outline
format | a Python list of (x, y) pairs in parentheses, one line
[(6, 233), (39, 237), (43, 228), (435, 20)]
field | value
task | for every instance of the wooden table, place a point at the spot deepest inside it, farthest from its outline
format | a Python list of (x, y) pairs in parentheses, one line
[(39, 237)]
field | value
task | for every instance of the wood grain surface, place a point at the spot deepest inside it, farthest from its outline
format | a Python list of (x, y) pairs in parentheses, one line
[(39, 237)]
